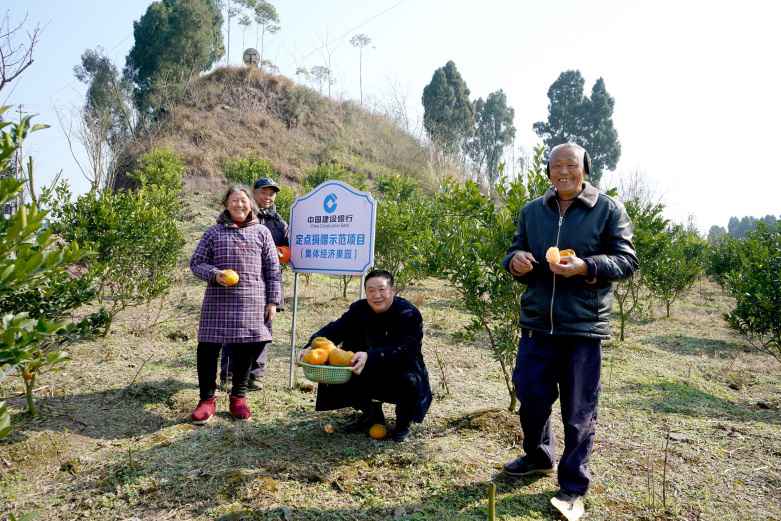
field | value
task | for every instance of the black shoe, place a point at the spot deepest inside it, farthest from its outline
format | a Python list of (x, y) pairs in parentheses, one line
[(400, 434), (254, 384), (367, 418), (570, 505), (523, 467)]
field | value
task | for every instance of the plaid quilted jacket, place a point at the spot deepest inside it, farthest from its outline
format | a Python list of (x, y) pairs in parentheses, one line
[(236, 314)]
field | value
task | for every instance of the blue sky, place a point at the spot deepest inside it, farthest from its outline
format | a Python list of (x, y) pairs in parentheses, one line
[(695, 83)]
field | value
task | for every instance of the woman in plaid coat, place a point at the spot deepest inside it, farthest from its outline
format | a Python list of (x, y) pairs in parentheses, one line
[(238, 315)]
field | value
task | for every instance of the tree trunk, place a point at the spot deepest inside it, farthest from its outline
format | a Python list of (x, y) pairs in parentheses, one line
[(360, 72), (228, 53), (262, 44), (510, 387), (29, 385), (667, 303), (346, 279)]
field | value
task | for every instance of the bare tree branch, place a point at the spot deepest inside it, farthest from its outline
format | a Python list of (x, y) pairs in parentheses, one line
[(67, 133), (15, 58)]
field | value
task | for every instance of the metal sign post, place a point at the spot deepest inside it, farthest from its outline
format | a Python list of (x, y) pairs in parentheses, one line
[(292, 374)]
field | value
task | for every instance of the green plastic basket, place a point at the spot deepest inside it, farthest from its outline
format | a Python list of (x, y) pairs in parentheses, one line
[(326, 374)]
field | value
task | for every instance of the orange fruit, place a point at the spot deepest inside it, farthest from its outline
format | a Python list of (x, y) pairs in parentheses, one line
[(322, 342), (553, 255), (567, 253), (230, 277), (378, 431), (340, 357), (316, 357), (284, 254), (329, 428)]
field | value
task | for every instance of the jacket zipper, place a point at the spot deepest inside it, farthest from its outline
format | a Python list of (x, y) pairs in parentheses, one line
[(553, 293)]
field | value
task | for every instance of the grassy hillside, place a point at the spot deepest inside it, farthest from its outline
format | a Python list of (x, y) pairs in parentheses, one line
[(238, 112), (114, 441)]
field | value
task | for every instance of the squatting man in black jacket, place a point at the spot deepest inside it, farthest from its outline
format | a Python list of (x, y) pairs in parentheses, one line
[(564, 318), (386, 333)]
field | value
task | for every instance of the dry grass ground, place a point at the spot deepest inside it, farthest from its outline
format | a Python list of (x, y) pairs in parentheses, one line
[(113, 440)]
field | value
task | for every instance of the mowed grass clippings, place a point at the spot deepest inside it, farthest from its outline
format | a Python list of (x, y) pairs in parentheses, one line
[(113, 438)]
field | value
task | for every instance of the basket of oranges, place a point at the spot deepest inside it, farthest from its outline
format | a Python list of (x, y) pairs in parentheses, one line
[(325, 363)]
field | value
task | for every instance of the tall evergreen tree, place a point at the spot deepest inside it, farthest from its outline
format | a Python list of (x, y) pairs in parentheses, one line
[(107, 118), (494, 131), (448, 115), (360, 41), (267, 18), (572, 116), (716, 233), (107, 93), (174, 39)]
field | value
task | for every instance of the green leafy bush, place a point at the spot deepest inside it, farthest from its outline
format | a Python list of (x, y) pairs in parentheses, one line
[(471, 236), (136, 237), (333, 172), (755, 283), (397, 187), (649, 226), (284, 201), (403, 230), (160, 167), (31, 257), (247, 170), (723, 258), (673, 264)]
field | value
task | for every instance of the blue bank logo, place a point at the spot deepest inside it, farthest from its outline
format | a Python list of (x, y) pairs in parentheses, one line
[(329, 203)]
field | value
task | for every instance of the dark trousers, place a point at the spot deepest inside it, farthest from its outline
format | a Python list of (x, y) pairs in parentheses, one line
[(566, 367), (361, 392), (242, 356), (257, 368)]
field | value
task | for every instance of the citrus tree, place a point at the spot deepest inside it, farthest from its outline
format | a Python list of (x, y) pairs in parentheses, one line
[(31, 256), (249, 169), (135, 234), (472, 235), (649, 226), (723, 258), (755, 283), (404, 233), (675, 264)]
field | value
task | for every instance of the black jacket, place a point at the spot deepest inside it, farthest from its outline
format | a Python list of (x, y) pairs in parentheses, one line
[(276, 225), (393, 341), (598, 229)]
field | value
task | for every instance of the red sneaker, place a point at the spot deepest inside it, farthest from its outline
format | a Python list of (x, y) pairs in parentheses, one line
[(204, 411), (239, 409)]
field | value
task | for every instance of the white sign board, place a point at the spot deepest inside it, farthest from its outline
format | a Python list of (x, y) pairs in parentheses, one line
[(332, 230)]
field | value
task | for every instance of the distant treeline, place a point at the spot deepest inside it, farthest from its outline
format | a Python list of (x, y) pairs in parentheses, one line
[(739, 227)]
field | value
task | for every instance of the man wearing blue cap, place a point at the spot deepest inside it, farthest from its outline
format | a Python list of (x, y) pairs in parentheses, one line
[(265, 194)]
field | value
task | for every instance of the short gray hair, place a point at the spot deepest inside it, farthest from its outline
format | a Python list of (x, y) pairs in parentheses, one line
[(240, 188)]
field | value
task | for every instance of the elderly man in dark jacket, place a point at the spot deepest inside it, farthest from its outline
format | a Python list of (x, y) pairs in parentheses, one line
[(564, 317), (386, 333)]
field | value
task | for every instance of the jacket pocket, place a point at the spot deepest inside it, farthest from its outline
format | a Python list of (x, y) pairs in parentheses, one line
[(581, 305), (531, 309)]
